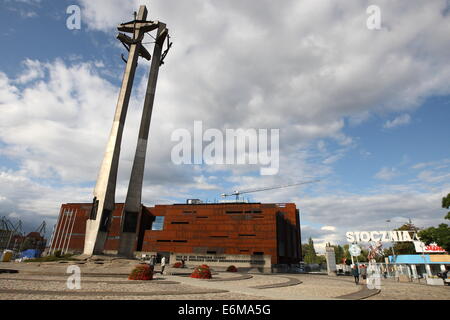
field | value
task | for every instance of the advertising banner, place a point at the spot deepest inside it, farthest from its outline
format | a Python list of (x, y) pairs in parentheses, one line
[(431, 248)]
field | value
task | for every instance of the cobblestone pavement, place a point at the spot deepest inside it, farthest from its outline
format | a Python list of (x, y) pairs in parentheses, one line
[(48, 281), (392, 290)]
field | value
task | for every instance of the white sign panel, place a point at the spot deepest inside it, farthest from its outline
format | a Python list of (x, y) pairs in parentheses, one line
[(354, 250), (383, 236), (431, 248)]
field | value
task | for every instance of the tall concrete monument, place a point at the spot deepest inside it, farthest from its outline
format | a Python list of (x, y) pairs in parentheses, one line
[(132, 208), (104, 193), (331, 260)]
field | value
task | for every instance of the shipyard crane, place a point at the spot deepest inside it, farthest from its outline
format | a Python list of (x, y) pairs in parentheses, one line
[(7, 225), (237, 193), (41, 229), (7, 231)]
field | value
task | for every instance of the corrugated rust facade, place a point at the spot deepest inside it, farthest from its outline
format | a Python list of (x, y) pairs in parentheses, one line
[(221, 228)]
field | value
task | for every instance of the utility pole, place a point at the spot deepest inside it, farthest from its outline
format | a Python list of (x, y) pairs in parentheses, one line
[(104, 192), (393, 252)]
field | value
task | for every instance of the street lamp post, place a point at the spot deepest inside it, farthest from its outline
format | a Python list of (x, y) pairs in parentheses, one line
[(393, 252)]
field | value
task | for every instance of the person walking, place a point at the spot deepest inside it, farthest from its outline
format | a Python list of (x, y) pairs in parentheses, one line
[(355, 273), (384, 268), (163, 264), (364, 272), (444, 276), (152, 263)]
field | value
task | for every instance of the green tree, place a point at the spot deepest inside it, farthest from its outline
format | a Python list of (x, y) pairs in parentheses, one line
[(440, 235), (321, 260), (363, 256), (339, 253), (406, 247), (310, 255), (446, 205)]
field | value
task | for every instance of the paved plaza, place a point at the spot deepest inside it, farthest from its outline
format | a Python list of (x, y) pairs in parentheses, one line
[(107, 280)]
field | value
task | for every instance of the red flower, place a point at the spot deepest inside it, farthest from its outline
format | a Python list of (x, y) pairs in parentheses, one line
[(232, 269), (141, 272), (201, 272)]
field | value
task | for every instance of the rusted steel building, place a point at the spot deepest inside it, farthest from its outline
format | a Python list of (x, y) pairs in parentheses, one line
[(249, 229)]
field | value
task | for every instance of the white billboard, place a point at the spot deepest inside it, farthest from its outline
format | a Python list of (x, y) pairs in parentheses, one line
[(431, 248)]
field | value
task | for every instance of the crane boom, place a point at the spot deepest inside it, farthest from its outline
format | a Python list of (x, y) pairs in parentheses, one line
[(237, 193)]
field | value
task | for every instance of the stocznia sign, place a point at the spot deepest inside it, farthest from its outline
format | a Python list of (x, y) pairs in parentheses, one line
[(383, 236)]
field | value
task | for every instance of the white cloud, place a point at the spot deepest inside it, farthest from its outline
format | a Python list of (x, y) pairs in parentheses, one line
[(52, 127), (34, 70), (401, 120), (386, 173), (322, 71), (433, 176), (441, 163)]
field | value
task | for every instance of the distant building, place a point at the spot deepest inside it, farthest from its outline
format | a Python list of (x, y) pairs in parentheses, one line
[(13, 241), (34, 240), (244, 234)]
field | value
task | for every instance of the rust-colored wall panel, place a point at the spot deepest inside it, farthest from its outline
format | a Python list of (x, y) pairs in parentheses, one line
[(231, 228)]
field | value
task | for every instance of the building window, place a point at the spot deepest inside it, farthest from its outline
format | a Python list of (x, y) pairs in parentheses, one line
[(211, 252), (179, 222), (254, 211), (258, 253), (179, 240), (158, 224), (218, 236), (201, 217), (247, 235), (162, 240), (233, 212)]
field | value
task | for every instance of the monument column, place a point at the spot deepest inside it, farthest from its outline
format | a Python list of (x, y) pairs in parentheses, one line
[(104, 192), (132, 209)]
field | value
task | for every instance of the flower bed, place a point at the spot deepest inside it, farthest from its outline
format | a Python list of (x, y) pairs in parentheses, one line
[(177, 265), (141, 272), (232, 269), (201, 272)]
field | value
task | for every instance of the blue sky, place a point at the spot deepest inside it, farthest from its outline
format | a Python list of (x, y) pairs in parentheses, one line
[(365, 111)]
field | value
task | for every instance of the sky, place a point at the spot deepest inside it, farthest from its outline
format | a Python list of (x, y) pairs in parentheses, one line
[(366, 111)]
